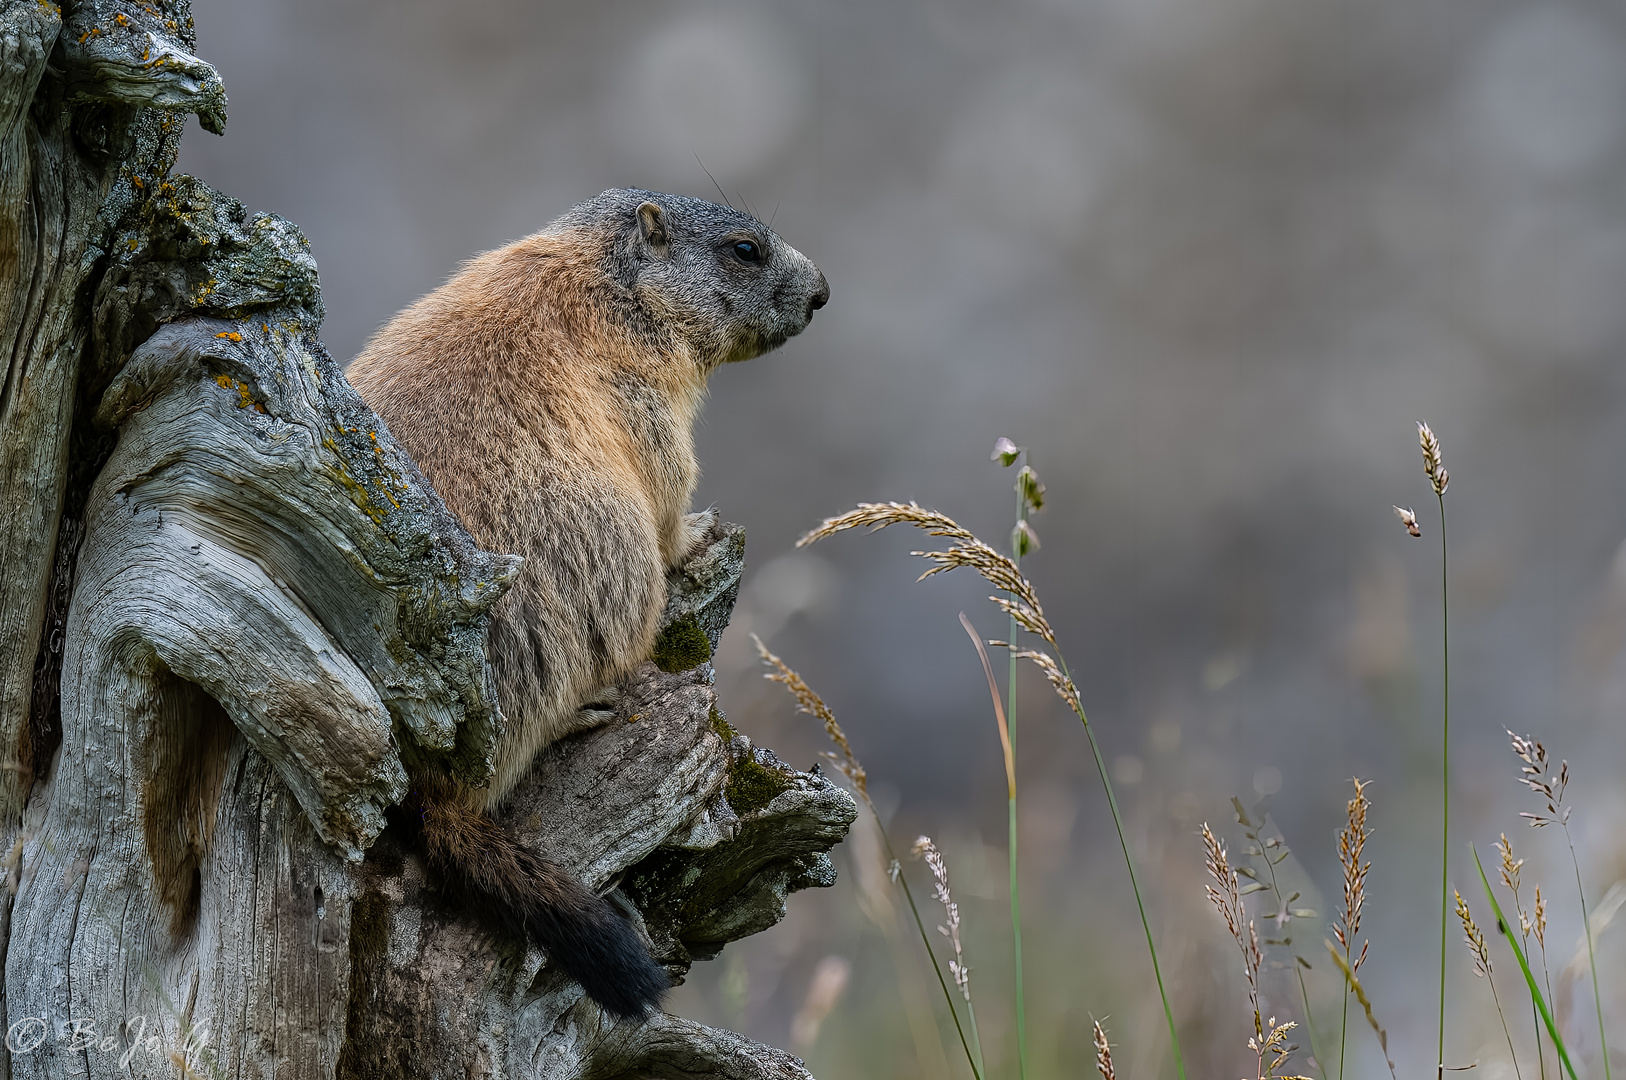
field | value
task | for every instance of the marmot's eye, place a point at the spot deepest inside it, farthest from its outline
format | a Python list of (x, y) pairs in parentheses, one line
[(748, 251)]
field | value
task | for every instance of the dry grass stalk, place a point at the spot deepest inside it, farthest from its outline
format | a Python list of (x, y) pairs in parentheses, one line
[(1273, 1045), (1431, 459), (1482, 968), (999, 708), (186, 1071), (1510, 866), (1103, 1054), (1366, 1003), (809, 702), (1059, 680), (925, 849), (1351, 845), (1474, 937), (1226, 895), (998, 570), (1539, 925), (1537, 775), (1508, 870)]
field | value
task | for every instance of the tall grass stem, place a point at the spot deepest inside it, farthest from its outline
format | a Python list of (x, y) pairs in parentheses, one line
[(1009, 750), (1010, 727), (1343, 1037), (1129, 863), (1592, 961), (1506, 1033), (1445, 779)]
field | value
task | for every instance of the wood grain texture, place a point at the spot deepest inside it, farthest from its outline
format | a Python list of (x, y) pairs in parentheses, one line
[(90, 93)]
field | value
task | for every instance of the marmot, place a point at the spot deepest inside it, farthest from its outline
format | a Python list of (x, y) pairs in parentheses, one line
[(548, 391)]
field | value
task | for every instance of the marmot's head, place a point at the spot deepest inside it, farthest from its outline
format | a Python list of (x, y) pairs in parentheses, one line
[(721, 279)]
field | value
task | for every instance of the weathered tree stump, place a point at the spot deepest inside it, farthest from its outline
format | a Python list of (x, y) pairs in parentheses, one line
[(234, 612)]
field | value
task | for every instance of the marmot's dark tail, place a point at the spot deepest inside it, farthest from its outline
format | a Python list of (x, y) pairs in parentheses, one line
[(485, 866)]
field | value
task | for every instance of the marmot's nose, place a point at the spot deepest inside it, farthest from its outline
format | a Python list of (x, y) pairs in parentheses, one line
[(819, 298)]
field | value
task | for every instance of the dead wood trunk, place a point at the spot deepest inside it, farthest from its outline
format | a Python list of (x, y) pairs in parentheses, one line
[(233, 610)]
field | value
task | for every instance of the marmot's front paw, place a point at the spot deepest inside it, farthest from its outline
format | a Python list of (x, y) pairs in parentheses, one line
[(692, 534)]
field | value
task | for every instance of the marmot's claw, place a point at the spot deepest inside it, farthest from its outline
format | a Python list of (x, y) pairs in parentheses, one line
[(696, 528)]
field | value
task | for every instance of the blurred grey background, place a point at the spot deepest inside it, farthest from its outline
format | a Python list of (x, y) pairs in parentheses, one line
[(1209, 260)]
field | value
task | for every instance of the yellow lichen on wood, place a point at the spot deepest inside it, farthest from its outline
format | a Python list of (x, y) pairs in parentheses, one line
[(387, 494), (358, 494), (245, 398)]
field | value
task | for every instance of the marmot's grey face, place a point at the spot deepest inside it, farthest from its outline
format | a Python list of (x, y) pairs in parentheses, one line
[(732, 286)]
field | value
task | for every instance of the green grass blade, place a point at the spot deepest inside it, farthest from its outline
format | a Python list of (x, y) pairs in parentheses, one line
[(1007, 739), (1129, 862), (1513, 943), (1016, 896), (1591, 957), (1445, 774)]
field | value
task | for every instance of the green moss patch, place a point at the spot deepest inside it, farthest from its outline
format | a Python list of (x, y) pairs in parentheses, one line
[(681, 646), (725, 731), (752, 786)]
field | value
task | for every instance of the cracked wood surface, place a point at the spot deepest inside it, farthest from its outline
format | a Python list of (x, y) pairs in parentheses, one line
[(85, 127)]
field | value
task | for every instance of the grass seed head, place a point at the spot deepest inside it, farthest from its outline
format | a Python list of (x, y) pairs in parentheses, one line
[(997, 569), (1432, 465), (1224, 892), (1030, 488), (1474, 937), (1351, 845), (1272, 1044), (1103, 1054), (809, 702), (1353, 982), (1537, 775), (925, 849), (1023, 538), (1510, 866)]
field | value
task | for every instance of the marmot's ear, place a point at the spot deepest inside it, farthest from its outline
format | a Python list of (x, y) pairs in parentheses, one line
[(652, 226)]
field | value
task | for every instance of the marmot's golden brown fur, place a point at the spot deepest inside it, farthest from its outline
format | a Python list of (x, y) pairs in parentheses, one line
[(548, 391)]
